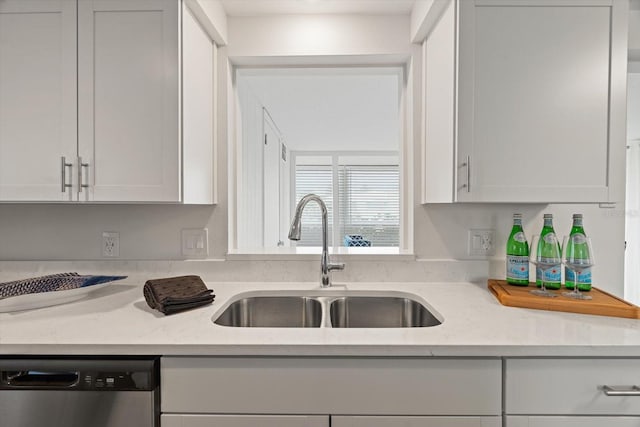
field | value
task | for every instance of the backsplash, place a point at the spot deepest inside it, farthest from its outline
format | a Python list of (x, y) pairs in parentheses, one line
[(261, 271), (150, 242)]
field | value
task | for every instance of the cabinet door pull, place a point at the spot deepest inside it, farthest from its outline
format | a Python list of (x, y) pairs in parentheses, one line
[(64, 165), (82, 166), (467, 164), (633, 390)]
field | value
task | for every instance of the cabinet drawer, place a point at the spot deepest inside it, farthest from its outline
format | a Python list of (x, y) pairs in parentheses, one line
[(358, 421), (186, 420), (523, 421), (364, 386), (570, 386)]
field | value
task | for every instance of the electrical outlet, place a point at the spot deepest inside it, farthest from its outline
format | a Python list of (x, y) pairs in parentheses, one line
[(481, 242), (195, 242), (110, 244)]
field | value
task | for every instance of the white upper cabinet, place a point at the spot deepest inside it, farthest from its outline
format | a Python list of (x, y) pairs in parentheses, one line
[(117, 120), (37, 99), (536, 106), (128, 99)]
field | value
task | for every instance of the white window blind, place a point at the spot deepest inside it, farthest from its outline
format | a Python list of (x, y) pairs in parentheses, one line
[(369, 203), (317, 180)]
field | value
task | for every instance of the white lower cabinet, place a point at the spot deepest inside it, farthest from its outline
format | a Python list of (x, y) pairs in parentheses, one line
[(578, 392), (338, 391), (399, 392), (571, 386), (187, 420), (575, 421), (360, 421)]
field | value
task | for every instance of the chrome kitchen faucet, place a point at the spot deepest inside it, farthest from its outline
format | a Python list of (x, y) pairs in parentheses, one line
[(296, 230)]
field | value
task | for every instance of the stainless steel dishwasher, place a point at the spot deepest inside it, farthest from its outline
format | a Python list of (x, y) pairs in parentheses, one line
[(69, 392)]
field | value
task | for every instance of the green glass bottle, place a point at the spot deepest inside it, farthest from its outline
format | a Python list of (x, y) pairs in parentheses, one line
[(517, 254), (553, 274), (577, 235)]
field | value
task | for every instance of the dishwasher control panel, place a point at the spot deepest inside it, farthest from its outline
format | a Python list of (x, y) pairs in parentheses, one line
[(58, 374), (113, 381)]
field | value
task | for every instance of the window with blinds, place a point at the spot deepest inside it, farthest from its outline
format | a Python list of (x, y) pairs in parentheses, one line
[(317, 180), (368, 202)]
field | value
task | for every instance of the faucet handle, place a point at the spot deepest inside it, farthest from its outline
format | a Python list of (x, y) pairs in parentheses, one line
[(336, 266)]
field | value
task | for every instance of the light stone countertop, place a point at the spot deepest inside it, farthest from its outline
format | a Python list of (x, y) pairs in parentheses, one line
[(116, 320)]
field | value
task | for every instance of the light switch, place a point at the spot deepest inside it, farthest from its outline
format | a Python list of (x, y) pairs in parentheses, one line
[(195, 242)]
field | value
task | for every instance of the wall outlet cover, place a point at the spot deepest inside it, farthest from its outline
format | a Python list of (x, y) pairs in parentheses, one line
[(110, 244), (481, 242)]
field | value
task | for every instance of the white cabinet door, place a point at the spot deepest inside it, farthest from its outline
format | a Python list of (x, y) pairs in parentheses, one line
[(128, 101), (186, 420), (525, 101), (37, 98), (541, 100), (524, 421), (399, 421)]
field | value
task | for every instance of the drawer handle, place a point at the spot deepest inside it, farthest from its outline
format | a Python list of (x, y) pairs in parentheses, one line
[(633, 390)]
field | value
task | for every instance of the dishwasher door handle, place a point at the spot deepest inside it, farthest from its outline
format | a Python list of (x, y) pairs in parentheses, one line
[(39, 379)]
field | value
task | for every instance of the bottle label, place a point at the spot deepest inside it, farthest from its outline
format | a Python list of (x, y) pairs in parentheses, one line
[(550, 238), (519, 237), (578, 239), (583, 278), (552, 275), (518, 267)]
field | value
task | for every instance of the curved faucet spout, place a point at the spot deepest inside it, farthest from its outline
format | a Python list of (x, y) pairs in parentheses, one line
[(295, 233)]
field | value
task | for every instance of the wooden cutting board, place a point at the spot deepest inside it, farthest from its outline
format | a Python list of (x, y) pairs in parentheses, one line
[(602, 304)]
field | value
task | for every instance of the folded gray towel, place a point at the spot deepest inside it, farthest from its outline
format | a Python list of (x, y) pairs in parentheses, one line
[(52, 283)]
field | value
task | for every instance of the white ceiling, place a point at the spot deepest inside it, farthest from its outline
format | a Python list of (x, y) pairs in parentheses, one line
[(270, 7), (332, 109)]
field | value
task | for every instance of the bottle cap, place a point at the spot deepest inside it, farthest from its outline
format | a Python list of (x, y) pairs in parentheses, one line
[(517, 216), (577, 216), (548, 216)]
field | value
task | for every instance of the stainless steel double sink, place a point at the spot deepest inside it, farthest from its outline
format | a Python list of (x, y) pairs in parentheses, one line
[(328, 309)]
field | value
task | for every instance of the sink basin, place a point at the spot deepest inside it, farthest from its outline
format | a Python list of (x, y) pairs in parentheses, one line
[(273, 312), (327, 308), (380, 312)]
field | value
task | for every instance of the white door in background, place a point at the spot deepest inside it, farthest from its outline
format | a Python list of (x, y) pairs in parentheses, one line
[(632, 216), (37, 99), (285, 194), (275, 185)]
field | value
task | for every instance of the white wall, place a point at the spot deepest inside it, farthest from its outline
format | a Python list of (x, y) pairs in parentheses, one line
[(313, 35), (250, 167), (633, 112), (418, 19), (632, 224), (346, 109), (211, 13), (49, 232), (634, 34)]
